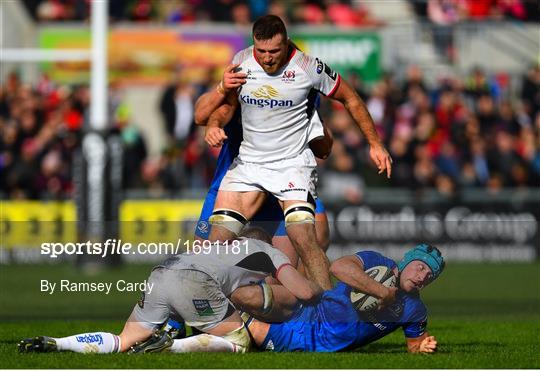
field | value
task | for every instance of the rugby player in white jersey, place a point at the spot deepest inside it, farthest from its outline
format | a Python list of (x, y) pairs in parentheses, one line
[(196, 287), (274, 156)]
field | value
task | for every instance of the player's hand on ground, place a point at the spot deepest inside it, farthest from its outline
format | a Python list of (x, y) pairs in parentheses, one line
[(380, 156), (388, 298), (232, 80), (214, 136), (428, 345)]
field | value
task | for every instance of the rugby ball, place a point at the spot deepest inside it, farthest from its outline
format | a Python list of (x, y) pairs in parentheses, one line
[(364, 302)]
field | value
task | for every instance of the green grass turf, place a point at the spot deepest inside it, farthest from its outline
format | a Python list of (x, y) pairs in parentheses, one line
[(483, 315)]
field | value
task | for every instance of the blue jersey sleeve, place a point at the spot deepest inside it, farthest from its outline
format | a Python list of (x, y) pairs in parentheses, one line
[(415, 319), (372, 259)]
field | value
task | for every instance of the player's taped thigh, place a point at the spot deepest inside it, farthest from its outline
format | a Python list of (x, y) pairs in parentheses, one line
[(228, 219), (240, 338), (299, 213)]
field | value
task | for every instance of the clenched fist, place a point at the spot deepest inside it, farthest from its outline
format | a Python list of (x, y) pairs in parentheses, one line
[(214, 136)]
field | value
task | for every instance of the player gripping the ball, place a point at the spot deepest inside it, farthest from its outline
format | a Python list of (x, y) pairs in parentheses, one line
[(335, 324)]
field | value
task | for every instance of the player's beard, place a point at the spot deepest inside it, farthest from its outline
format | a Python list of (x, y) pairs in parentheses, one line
[(270, 69)]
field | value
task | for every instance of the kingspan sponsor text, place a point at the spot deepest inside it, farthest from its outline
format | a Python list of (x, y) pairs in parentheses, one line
[(265, 102)]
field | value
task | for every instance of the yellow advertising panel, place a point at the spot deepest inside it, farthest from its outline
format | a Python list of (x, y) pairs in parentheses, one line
[(30, 223), (158, 220)]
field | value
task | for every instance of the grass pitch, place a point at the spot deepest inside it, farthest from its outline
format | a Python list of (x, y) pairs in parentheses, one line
[(483, 315)]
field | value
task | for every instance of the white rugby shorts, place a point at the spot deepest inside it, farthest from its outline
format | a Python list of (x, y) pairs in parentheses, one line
[(190, 294), (292, 179)]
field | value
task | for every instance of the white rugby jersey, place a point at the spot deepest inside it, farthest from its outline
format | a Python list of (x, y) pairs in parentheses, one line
[(232, 267), (276, 108)]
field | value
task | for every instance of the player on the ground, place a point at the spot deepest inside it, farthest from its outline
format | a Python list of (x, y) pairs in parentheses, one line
[(335, 325), (274, 156), (195, 287)]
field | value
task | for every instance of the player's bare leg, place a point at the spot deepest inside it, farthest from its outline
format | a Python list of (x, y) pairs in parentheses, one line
[(304, 239), (322, 230), (323, 237), (231, 211), (133, 332)]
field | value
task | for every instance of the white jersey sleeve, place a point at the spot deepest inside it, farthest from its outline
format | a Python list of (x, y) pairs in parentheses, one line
[(323, 78), (242, 55), (278, 258), (316, 129)]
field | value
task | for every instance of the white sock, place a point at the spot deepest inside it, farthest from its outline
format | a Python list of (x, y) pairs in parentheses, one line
[(202, 343), (91, 342)]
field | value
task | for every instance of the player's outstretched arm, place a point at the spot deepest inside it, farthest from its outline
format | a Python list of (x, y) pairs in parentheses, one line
[(350, 270), (297, 284), (210, 101), (358, 110), (422, 344)]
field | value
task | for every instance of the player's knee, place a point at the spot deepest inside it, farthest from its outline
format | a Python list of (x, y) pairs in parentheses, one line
[(240, 338), (228, 219), (299, 213)]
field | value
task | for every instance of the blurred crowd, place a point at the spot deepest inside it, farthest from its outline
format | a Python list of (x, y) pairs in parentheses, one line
[(453, 11), (344, 13), (463, 133), (316, 12), (41, 128), (443, 15)]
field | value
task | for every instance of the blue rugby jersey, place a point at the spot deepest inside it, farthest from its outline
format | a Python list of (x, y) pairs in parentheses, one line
[(334, 325)]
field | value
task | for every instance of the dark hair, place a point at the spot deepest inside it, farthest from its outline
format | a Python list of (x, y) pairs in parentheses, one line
[(256, 233), (268, 26)]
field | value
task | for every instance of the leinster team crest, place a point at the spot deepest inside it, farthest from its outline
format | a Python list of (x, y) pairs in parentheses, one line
[(202, 226)]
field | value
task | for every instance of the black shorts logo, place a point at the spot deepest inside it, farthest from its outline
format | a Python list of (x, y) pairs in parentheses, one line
[(140, 302)]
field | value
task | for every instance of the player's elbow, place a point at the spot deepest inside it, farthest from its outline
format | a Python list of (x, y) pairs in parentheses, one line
[(310, 293), (305, 290), (337, 268), (200, 118)]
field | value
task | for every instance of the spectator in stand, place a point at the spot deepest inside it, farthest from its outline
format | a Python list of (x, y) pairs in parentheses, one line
[(414, 79), (424, 170), (513, 9), (530, 91), (312, 13), (240, 14), (444, 14), (479, 161)]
